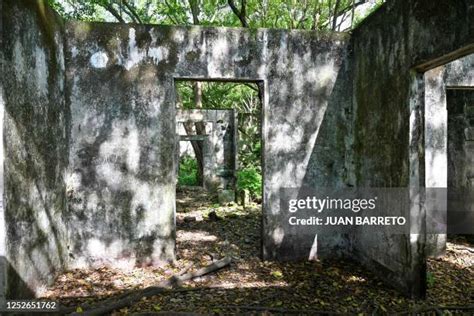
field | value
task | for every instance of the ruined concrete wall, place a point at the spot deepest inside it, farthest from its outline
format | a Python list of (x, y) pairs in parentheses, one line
[(3, 250), (35, 145), (388, 114), (460, 139), (219, 146), (121, 91), (456, 74), (458, 78), (120, 181), (330, 165)]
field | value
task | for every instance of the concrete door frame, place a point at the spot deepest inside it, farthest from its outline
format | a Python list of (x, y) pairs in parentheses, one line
[(436, 157), (263, 86), (421, 170)]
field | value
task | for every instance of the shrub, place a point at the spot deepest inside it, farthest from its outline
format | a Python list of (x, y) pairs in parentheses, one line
[(187, 173), (250, 179)]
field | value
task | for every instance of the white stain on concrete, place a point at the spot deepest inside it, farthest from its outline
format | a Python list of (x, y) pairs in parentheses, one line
[(219, 51), (60, 59), (41, 71), (136, 55), (157, 54), (74, 51), (133, 153), (19, 60), (278, 235), (286, 137), (262, 69), (326, 75), (73, 181), (99, 60)]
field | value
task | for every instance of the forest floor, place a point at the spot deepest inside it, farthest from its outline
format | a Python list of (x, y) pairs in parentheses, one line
[(341, 286)]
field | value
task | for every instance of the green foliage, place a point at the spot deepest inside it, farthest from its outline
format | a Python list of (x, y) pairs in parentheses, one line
[(187, 173), (250, 179), (250, 146), (90, 10), (218, 95), (244, 99), (285, 14)]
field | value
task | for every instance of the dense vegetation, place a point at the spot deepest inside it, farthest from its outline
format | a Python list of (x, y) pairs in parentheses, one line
[(187, 172), (318, 15), (244, 98)]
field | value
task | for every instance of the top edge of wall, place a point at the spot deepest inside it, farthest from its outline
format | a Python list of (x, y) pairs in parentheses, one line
[(322, 34), (368, 19)]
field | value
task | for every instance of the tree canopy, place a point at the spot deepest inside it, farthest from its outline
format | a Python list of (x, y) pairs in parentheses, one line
[(336, 15)]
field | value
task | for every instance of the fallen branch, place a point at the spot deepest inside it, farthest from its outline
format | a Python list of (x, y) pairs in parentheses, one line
[(465, 249), (129, 298), (185, 269)]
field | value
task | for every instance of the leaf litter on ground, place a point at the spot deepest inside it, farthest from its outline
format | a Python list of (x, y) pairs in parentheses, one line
[(341, 285)]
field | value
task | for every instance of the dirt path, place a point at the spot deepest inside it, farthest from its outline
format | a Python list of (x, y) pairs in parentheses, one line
[(341, 286)]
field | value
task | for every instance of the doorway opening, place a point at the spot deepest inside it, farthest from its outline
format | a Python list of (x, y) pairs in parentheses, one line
[(188, 166), (460, 106), (449, 172), (220, 175)]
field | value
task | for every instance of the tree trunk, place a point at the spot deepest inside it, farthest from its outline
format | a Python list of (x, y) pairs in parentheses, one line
[(200, 130), (197, 91), (335, 15)]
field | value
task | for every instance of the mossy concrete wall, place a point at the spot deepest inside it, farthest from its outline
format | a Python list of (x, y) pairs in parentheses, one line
[(460, 105), (458, 74), (3, 250), (391, 49), (121, 91), (35, 146)]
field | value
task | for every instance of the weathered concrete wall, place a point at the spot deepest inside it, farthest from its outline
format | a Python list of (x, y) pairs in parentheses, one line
[(330, 166), (3, 250), (460, 139), (120, 182), (388, 114), (121, 86), (35, 146), (219, 146), (456, 74)]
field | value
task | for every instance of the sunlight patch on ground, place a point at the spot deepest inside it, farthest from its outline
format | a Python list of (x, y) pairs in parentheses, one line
[(194, 236)]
